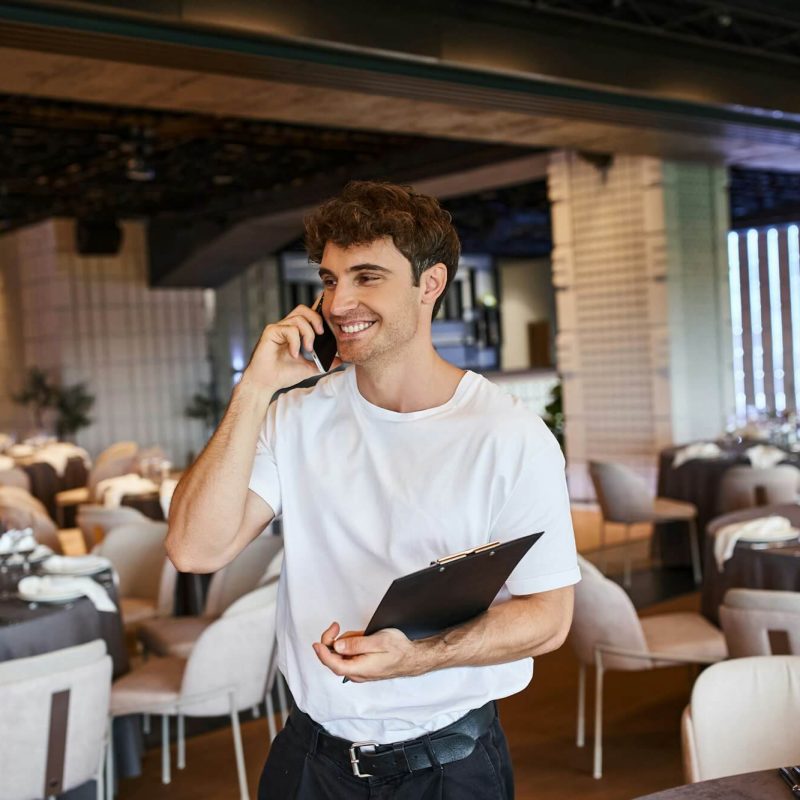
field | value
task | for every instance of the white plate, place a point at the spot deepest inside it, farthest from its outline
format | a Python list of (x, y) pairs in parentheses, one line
[(31, 590), (75, 565), (41, 552), (784, 536)]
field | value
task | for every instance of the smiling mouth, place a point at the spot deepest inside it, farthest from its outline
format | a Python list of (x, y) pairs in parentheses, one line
[(356, 327)]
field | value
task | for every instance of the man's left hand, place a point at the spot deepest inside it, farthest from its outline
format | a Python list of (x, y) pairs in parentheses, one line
[(386, 654)]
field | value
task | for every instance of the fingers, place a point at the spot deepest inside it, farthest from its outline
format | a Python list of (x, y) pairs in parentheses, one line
[(288, 334), (329, 634), (313, 317), (307, 332)]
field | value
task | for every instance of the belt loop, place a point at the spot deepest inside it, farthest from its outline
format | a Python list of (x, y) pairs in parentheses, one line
[(426, 740)]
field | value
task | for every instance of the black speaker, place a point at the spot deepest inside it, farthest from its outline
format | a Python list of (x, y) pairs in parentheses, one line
[(97, 237)]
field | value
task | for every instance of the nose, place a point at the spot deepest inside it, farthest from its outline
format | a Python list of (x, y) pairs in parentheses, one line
[(342, 300)]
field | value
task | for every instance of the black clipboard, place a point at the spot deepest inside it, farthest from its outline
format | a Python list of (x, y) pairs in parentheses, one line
[(452, 590)]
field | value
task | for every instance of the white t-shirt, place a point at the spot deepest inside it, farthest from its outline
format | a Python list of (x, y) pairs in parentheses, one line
[(368, 495)]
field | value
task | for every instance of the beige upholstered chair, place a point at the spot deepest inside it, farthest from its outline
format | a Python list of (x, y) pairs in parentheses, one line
[(625, 499), (225, 673), (758, 622), (15, 477), (607, 633), (146, 576), (743, 717), (73, 684), (175, 636), (746, 487), (96, 521), (115, 461), (20, 509)]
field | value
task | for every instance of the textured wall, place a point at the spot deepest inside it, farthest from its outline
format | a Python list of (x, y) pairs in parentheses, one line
[(141, 351), (640, 276)]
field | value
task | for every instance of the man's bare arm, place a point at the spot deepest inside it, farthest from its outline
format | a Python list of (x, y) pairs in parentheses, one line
[(525, 626), (213, 514)]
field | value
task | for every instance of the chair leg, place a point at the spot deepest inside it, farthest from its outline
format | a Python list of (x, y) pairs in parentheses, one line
[(145, 724), (238, 749), (271, 718), (110, 761), (626, 575), (282, 699), (181, 741), (580, 738), (165, 765), (695, 547), (597, 771)]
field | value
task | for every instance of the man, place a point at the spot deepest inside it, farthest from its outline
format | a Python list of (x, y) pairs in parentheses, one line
[(378, 469)]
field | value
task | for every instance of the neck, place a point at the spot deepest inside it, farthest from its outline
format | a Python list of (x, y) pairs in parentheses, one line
[(416, 382)]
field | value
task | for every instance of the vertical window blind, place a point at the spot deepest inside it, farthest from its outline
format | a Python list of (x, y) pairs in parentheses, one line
[(764, 273)]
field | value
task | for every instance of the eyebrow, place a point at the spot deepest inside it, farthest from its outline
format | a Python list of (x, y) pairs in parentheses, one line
[(323, 271)]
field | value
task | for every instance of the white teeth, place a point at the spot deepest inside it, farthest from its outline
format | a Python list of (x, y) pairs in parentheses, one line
[(361, 326)]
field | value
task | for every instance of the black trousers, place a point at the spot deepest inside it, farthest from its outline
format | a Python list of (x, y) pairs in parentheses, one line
[(295, 771)]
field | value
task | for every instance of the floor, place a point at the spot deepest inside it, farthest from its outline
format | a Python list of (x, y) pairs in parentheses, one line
[(642, 715)]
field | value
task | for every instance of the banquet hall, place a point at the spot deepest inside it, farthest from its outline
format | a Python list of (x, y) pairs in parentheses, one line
[(624, 179)]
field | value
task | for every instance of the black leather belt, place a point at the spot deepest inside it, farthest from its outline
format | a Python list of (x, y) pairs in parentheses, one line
[(370, 759)]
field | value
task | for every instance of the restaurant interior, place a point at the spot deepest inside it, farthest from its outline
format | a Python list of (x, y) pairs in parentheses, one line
[(624, 176)]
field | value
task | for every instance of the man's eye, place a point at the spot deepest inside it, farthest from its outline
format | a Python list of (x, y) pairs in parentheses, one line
[(368, 278)]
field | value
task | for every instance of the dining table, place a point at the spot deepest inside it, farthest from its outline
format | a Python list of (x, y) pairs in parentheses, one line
[(30, 629), (763, 785), (753, 565), (697, 481)]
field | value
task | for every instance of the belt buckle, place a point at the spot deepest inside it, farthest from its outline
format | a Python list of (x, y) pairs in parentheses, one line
[(354, 758)]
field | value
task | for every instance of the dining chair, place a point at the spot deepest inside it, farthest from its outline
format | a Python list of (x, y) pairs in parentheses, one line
[(116, 460), (176, 636), (54, 721), (146, 577), (742, 717), (746, 487), (225, 673), (95, 521), (20, 509), (625, 499), (760, 622), (608, 634), (15, 477)]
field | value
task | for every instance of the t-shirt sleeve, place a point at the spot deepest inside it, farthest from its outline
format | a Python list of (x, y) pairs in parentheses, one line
[(264, 479), (538, 501)]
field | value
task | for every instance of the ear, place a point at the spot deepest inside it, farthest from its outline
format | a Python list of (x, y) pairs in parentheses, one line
[(433, 283)]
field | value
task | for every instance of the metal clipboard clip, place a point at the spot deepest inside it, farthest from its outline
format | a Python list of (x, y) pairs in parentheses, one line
[(464, 553)]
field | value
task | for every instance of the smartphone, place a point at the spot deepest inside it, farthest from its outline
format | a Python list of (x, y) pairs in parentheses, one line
[(324, 350)]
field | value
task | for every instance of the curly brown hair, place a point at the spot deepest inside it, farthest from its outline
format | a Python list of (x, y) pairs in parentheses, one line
[(367, 210)]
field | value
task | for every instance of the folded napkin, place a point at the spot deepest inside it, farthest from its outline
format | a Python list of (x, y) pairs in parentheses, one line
[(58, 454), (763, 529), (696, 450), (17, 541), (763, 456), (6, 462), (50, 584), (20, 450), (75, 565), (165, 494), (111, 491)]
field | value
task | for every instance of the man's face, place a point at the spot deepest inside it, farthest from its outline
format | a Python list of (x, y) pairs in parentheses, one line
[(369, 299)]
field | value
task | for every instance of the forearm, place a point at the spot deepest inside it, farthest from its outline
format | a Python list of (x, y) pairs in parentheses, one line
[(207, 508), (522, 627)]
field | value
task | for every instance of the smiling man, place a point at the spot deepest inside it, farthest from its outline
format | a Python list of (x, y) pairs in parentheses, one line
[(378, 469)]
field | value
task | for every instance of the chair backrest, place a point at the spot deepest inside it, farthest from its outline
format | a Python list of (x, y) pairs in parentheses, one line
[(27, 689), (120, 464), (95, 521), (604, 614), (137, 552), (623, 496), (758, 622), (117, 450), (232, 653), (15, 477), (20, 509), (743, 717), (746, 487), (273, 570), (242, 575)]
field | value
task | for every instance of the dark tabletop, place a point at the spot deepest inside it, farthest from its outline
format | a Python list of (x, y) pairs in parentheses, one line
[(766, 785)]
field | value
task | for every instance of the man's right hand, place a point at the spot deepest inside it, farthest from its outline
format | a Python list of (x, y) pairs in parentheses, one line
[(277, 361)]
